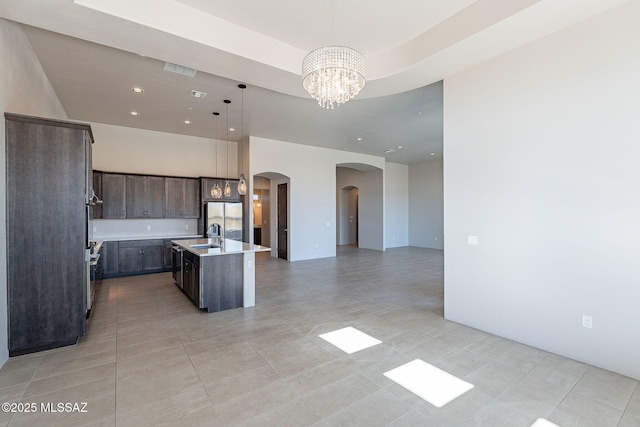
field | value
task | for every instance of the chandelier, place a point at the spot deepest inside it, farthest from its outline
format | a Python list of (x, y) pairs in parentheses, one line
[(333, 74)]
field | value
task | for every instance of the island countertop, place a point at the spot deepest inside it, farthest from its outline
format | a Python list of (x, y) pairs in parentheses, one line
[(218, 246)]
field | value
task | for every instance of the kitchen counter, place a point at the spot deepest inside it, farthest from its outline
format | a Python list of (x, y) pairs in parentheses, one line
[(222, 247), (174, 236), (218, 274)]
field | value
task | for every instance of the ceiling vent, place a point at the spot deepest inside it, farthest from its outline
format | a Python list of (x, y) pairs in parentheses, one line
[(179, 69), (198, 94)]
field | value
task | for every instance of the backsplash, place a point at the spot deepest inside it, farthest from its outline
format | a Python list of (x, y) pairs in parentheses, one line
[(132, 228)]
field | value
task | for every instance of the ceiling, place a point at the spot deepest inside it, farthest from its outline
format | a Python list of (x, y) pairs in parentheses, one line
[(95, 51)]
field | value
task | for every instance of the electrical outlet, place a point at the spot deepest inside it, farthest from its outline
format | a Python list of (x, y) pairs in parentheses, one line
[(186, 226), (587, 321), (148, 228), (316, 246), (95, 229), (472, 240), (249, 264)]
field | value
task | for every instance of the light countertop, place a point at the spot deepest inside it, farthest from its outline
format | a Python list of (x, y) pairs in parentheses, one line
[(227, 247), (174, 236)]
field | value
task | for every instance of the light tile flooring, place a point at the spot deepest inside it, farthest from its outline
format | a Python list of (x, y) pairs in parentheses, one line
[(151, 358)]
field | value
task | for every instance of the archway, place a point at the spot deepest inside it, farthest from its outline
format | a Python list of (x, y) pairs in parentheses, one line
[(363, 198), (270, 212), (347, 223)]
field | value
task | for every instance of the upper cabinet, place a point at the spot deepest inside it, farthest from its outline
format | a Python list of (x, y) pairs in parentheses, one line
[(113, 196), (145, 196), (182, 197), (96, 209)]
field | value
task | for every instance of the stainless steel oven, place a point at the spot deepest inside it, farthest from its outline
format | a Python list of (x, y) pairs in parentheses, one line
[(176, 266)]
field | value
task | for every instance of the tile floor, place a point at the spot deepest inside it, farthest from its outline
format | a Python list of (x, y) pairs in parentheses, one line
[(151, 358)]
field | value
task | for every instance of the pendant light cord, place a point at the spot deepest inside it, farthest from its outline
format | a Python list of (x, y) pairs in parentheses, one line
[(215, 140)]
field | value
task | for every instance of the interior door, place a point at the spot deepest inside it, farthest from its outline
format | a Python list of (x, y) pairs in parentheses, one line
[(282, 221)]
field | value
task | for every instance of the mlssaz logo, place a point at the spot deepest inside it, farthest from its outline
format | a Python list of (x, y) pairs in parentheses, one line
[(63, 407)]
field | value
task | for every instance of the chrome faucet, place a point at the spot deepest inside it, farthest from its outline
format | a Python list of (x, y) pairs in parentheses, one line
[(213, 230)]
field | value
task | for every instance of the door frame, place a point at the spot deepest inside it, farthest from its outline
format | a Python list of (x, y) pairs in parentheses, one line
[(282, 219)]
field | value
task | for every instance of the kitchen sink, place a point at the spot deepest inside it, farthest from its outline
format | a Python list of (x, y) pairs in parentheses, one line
[(204, 246)]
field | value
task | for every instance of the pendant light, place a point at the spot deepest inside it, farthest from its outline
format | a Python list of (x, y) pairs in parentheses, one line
[(216, 191), (227, 187), (242, 183)]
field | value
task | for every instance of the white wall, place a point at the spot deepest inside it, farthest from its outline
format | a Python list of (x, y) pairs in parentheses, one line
[(397, 190), (426, 220), (312, 191), (129, 150), (370, 204), (24, 89), (541, 163)]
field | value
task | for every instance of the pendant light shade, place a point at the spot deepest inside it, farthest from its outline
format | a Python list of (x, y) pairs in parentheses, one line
[(242, 183), (216, 191)]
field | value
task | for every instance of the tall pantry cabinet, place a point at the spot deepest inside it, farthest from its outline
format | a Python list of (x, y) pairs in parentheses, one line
[(48, 174)]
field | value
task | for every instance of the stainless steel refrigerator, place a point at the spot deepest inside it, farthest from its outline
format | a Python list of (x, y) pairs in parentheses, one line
[(228, 218)]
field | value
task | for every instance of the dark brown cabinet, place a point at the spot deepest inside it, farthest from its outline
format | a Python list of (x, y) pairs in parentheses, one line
[(182, 197), (191, 276), (48, 170), (167, 255), (214, 283), (140, 256), (145, 196), (113, 196), (96, 208), (109, 258)]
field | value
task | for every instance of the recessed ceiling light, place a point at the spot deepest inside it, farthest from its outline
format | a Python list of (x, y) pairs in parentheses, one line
[(137, 89), (187, 122), (231, 129), (419, 112), (400, 146), (358, 139), (433, 154), (198, 94), (134, 113)]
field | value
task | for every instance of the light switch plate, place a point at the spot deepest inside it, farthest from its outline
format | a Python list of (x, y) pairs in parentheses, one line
[(472, 240)]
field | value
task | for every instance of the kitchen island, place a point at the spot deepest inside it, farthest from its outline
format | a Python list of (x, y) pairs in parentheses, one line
[(217, 274)]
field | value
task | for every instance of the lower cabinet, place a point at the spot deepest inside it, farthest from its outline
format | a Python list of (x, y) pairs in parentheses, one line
[(214, 283), (167, 256), (191, 276), (140, 256), (133, 257), (109, 259)]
